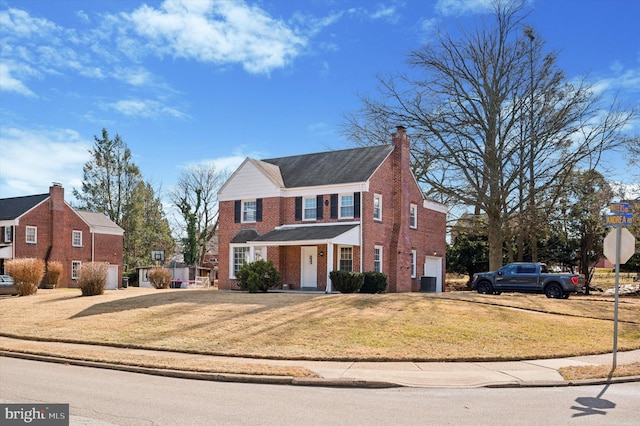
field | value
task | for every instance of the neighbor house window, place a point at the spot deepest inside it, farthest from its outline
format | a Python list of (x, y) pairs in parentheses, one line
[(310, 208), (249, 211), (346, 206), (75, 268), (76, 239), (8, 234), (377, 259), (240, 257), (32, 234), (414, 258), (413, 216), (377, 207), (346, 259)]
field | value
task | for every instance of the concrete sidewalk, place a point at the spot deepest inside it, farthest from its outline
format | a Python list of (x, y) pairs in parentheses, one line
[(369, 374)]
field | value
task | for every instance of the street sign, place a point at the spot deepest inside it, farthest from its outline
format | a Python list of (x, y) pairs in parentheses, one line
[(627, 245), (623, 219), (617, 208)]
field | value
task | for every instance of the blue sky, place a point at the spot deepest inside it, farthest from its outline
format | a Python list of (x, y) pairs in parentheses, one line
[(192, 81)]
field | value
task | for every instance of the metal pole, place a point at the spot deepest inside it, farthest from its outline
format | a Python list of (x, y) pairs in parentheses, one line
[(615, 305)]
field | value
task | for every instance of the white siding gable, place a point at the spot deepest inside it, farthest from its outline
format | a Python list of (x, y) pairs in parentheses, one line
[(253, 179)]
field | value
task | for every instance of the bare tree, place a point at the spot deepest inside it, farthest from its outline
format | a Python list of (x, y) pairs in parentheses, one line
[(195, 195), (494, 122)]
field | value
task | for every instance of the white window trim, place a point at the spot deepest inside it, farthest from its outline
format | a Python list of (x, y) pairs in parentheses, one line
[(414, 259), (8, 234), (353, 205), (35, 234), (74, 271), (73, 238), (255, 211), (380, 248), (379, 198), (340, 254), (413, 208), (304, 208), (252, 256)]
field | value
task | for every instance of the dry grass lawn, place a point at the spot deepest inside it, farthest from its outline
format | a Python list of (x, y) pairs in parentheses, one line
[(411, 326)]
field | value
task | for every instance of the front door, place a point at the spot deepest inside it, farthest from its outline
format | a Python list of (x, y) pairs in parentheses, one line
[(309, 272)]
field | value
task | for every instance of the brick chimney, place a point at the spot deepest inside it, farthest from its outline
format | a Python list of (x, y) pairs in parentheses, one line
[(400, 271), (56, 207)]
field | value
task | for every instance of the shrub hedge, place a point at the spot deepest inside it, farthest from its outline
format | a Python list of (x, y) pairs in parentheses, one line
[(374, 282), (260, 275), (346, 282)]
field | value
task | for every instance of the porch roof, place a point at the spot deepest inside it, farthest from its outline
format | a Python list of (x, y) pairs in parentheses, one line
[(337, 234)]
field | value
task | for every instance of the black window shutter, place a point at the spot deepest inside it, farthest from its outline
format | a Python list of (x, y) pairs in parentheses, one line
[(356, 204), (259, 210), (319, 206), (237, 211), (298, 208), (334, 206)]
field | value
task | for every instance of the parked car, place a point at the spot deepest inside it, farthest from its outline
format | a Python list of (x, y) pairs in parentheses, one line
[(527, 277), (7, 287)]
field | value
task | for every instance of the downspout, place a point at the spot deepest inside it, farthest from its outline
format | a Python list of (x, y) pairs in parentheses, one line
[(93, 245), (361, 233)]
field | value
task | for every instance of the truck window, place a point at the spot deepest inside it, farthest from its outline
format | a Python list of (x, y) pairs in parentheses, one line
[(543, 269), (526, 269)]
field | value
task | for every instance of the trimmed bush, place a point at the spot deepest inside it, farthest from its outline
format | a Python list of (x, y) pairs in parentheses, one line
[(27, 273), (346, 282), (160, 277), (52, 274), (260, 275), (374, 282), (92, 278)]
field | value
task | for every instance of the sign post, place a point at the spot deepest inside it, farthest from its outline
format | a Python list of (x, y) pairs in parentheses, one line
[(620, 246)]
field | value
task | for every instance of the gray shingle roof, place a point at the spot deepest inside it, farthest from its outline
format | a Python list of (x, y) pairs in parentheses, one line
[(305, 233), (11, 208), (331, 167)]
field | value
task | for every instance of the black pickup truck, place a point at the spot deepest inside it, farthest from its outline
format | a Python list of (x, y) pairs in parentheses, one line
[(526, 277)]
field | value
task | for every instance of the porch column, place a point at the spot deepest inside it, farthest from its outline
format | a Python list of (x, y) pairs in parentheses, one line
[(329, 266)]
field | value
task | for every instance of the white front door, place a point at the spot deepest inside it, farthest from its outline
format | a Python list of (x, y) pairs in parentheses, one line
[(112, 278), (309, 270), (433, 268)]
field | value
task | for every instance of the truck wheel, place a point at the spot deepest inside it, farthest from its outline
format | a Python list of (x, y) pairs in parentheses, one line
[(484, 287), (566, 295), (553, 291)]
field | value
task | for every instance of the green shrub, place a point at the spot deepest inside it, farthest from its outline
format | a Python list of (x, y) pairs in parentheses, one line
[(52, 274), (160, 277), (27, 273), (260, 275), (346, 282), (374, 282), (92, 278)]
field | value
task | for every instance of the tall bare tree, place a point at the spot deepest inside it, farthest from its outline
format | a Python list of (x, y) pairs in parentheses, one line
[(495, 124), (196, 196)]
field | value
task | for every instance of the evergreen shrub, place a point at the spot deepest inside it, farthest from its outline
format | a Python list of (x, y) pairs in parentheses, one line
[(260, 275), (374, 282), (346, 282)]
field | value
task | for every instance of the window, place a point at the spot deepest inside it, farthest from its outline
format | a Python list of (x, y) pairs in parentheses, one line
[(346, 206), (346, 259), (8, 234), (249, 211), (377, 207), (76, 239), (240, 257), (32, 234), (259, 253), (414, 258), (413, 216), (377, 259), (75, 268), (310, 209)]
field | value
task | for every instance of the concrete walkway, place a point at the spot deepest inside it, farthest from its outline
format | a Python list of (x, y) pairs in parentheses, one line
[(369, 374)]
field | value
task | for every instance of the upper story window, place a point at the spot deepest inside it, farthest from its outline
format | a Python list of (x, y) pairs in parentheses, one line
[(377, 259), (8, 234), (377, 207), (346, 206), (31, 234), (76, 238), (413, 216), (310, 208), (249, 211), (346, 259)]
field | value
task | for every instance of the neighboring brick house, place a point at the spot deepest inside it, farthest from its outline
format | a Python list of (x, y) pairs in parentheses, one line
[(44, 226), (358, 209)]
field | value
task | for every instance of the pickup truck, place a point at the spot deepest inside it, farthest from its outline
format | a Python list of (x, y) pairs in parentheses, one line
[(524, 277)]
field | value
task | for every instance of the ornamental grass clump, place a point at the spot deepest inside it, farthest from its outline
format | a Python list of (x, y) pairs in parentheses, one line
[(92, 278), (27, 274), (160, 277), (52, 274)]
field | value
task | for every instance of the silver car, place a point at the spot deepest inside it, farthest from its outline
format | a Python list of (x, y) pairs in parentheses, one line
[(7, 287)]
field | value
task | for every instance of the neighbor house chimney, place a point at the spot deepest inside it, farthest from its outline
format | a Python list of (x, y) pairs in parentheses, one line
[(57, 237)]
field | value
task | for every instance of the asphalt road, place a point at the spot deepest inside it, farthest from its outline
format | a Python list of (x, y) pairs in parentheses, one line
[(107, 397)]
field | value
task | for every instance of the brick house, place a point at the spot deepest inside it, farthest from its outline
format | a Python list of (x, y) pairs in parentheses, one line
[(358, 209), (44, 226)]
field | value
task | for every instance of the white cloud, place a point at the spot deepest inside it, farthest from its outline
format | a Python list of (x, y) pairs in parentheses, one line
[(145, 108), (31, 160), (461, 7), (221, 32), (10, 84)]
